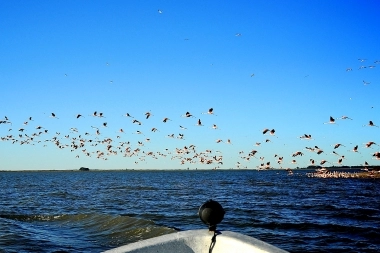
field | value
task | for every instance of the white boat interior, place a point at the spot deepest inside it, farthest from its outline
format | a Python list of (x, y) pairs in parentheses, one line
[(199, 241)]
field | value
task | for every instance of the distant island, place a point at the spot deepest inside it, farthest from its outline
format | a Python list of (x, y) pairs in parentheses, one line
[(84, 169)]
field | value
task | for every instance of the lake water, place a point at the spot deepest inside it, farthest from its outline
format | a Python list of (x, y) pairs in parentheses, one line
[(72, 211)]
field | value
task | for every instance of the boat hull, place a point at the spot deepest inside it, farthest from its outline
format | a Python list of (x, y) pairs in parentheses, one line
[(198, 241)]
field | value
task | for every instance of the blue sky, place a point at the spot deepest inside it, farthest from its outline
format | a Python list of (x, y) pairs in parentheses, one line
[(287, 70)]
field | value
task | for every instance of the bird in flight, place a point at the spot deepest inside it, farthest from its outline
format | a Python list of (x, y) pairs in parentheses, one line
[(271, 132), (355, 149), (369, 144), (187, 115), (338, 145), (370, 123), (53, 115), (340, 160), (323, 162), (365, 83), (210, 111), (128, 115), (331, 121), (214, 126), (306, 137), (136, 121), (148, 114)]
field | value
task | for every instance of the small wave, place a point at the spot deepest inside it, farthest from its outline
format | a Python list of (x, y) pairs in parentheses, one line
[(28, 218), (303, 226), (106, 229), (139, 188)]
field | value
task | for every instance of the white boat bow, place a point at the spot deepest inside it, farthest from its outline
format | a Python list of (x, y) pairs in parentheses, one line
[(198, 241)]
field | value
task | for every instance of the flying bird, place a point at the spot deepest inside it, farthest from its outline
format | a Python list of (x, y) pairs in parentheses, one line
[(338, 145), (128, 115), (148, 114), (369, 144), (53, 115), (306, 137), (355, 149), (187, 115), (210, 111), (323, 162), (365, 83), (370, 123), (335, 153), (331, 121), (135, 121)]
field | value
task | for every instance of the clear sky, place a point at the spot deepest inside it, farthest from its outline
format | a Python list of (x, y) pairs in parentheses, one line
[(283, 65)]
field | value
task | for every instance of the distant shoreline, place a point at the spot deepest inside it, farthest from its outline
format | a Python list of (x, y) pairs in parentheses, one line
[(253, 169)]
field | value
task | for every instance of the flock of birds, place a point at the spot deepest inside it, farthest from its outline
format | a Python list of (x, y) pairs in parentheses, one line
[(84, 143), (95, 143), (361, 67), (99, 144)]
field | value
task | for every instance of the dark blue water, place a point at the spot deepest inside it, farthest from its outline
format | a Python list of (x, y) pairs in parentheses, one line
[(98, 210)]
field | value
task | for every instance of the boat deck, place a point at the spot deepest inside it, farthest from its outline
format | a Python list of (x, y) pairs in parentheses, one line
[(198, 241)]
